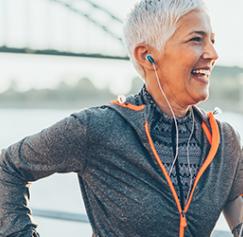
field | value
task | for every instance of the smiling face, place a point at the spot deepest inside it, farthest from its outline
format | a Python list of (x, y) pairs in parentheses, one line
[(186, 62)]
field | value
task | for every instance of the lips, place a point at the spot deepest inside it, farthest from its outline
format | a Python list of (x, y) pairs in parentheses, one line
[(201, 74), (205, 72)]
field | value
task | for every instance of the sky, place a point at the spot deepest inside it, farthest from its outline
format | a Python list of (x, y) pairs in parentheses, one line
[(39, 25), (226, 18)]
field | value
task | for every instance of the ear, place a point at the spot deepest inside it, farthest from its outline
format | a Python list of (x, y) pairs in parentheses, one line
[(140, 52)]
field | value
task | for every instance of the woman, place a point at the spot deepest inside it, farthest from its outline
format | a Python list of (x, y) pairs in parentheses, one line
[(149, 165)]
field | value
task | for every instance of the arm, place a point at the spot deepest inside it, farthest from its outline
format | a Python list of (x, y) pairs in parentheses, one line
[(233, 210), (233, 213), (59, 148)]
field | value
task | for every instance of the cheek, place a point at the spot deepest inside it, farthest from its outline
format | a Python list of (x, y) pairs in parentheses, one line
[(176, 67), (191, 57)]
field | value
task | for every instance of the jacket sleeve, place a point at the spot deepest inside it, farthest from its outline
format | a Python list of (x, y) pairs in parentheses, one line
[(237, 188), (234, 151), (233, 210), (233, 213), (59, 148), (237, 196)]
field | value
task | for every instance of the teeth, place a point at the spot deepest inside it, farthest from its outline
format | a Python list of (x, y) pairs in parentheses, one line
[(201, 71)]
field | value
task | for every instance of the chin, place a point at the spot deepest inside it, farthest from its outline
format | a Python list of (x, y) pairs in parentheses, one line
[(199, 97), (203, 97)]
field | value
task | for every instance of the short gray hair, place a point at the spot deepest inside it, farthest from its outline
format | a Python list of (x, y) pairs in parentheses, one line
[(153, 22)]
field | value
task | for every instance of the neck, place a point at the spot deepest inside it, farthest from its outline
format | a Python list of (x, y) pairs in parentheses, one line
[(179, 110)]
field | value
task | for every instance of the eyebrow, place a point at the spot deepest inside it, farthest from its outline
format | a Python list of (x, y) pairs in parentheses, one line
[(203, 33)]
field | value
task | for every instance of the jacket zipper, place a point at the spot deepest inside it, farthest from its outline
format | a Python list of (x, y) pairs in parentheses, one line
[(214, 140)]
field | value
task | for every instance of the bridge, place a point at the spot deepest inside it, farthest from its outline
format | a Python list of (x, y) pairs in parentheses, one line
[(79, 28)]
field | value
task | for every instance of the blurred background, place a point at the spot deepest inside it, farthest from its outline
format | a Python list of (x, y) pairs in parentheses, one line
[(59, 56)]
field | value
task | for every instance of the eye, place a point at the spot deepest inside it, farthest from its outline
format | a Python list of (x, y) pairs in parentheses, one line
[(197, 39), (213, 41)]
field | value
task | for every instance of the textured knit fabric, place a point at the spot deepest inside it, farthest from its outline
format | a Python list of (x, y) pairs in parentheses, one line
[(164, 135), (123, 189)]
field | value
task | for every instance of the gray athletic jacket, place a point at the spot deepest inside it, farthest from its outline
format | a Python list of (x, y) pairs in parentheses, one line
[(125, 191)]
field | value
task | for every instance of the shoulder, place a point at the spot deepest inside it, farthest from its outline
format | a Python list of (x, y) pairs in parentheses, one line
[(107, 111), (230, 137), (230, 143), (229, 133), (101, 116)]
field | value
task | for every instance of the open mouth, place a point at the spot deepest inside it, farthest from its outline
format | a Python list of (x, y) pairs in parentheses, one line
[(201, 74)]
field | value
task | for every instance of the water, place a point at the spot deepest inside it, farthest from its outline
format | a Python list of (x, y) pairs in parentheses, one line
[(61, 192)]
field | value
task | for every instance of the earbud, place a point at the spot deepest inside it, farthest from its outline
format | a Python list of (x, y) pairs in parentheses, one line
[(150, 59)]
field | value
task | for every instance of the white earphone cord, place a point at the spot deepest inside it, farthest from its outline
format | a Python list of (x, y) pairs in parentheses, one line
[(188, 155), (177, 132), (173, 114)]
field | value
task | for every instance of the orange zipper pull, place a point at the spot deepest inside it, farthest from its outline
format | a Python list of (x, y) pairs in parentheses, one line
[(183, 221), (183, 224)]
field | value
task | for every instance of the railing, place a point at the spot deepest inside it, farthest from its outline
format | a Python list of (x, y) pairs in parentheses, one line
[(58, 215), (82, 218)]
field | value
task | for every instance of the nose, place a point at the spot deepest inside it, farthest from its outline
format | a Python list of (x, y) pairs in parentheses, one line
[(210, 52)]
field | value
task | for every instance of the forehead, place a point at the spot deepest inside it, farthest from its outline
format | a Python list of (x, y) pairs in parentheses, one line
[(194, 21)]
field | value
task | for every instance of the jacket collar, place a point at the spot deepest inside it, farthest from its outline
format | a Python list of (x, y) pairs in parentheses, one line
[(136, 113)]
